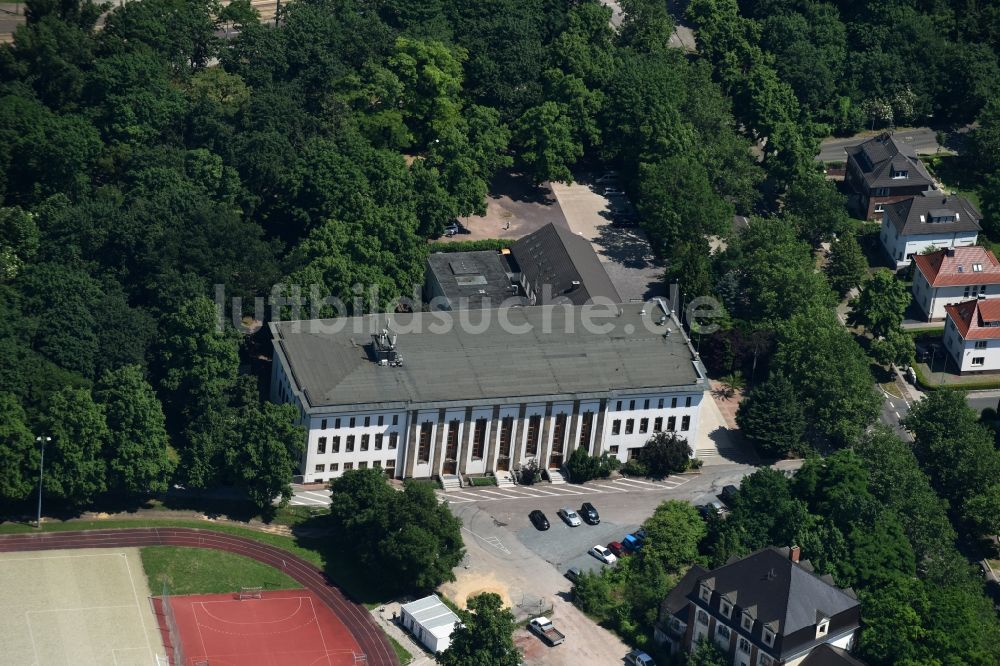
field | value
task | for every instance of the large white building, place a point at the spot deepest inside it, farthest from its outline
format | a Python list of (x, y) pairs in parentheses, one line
[(972, 335), (954, 275), (484, 391), (930, 219)]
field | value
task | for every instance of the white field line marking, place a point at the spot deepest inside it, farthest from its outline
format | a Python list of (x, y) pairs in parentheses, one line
[(31, 635), (135, 595)]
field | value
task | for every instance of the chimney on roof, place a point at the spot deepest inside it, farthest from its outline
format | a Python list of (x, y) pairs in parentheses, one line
[(793, 553), (950, 251)]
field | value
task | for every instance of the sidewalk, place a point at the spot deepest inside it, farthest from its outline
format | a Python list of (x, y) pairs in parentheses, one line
[(383, 615)]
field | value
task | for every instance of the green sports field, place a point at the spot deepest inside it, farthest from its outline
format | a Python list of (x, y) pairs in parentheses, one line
[(76, 608)]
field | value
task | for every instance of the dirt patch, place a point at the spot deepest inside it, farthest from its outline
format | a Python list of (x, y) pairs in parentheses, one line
[(469, 584)]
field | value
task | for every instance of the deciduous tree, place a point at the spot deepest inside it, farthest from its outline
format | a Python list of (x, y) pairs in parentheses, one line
[(881, 304), (76, 466), (485, 635), (665, 453), (772, 418)]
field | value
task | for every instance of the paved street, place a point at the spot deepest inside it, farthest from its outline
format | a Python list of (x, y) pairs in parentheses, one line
[(893, 411), (923, 140)]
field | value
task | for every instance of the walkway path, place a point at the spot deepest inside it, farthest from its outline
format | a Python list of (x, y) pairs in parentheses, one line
[(354, 616)]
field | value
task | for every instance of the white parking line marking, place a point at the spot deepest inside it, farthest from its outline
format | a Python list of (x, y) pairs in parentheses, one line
[(505, 496), (566, 491), (645, 483), (544, 492), (897, 414), (311, 493), (308, 501)]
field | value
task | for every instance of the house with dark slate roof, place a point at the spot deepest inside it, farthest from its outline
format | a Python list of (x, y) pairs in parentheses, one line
[(882, 171), (558, 266), (927, 221), (766, 609)]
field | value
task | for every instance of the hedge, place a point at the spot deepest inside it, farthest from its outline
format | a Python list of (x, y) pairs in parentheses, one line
[(469, 245)]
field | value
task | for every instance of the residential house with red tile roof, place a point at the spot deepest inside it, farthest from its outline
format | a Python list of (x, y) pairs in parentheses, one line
[(954, 275), (972, 335), (931, 219)]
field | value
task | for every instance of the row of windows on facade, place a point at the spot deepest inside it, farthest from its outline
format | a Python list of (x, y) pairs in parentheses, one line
[(616, 425), (335, 467), (723, 636), (350, 440), (505, 436), (352, 421), (659, 405)]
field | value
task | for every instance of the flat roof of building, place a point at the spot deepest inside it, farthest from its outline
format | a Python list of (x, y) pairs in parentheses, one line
[(463, 357), (432, 615), (474, 279)]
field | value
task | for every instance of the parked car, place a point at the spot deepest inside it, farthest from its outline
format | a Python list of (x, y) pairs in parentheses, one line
[(608, 177), (451, 230), (921, 353), (603, 554), (544, 628), (632, 543), (589, 513), (715, 507), (539, 520), (625, 219), (639, 658), (570, 517), (613, 192), (573, 573), (728, 494), (618, 549)]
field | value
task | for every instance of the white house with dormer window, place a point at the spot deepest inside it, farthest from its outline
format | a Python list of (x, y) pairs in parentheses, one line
[(927, 221), (972, 335)]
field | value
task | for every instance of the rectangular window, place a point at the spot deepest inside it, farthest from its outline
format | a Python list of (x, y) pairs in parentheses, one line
[(768, 637), (351, 422), (645, 404), (659, 403), (585, 427), (479, 439), (451, 444), (393, 438), (558, 433), (378, 441), (424, 449), (335, 444), (687, 401), (368, 421), (531, 446), (348, 466), (362, 465), (321, 445), (673, 403), (980, 344), (977, 360), (364, 442), (616, 427), (322, 424), (334, 467), (395, 419), (320, 468), (506, 431), (631, 404), (658, 424), (336, 423), (685, 423), (881, 191), (619, 407), (350, 443), (746, 623), (629, 426), (381, 419), (377, 464), (390, 464), (965, 294), (614, 450), (705, 594), (880, 208), (744, 645), (671, 423), (726, 608), (643, 425)]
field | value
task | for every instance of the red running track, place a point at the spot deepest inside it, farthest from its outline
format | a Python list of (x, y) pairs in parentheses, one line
[(355, 617)]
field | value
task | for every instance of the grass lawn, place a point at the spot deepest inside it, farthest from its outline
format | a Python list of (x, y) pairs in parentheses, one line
[(404, 656), (325, 552), (203, 571), (956, 175)]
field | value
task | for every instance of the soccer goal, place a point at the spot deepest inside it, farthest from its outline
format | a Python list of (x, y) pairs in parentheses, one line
[(250, 593)]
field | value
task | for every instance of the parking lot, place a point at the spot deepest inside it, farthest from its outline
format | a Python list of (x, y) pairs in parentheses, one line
[(572, 493)]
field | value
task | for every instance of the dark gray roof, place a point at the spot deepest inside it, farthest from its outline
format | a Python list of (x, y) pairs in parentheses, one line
[(445, 363), (555, 256), (881, 155), (828, 655), (911, 216), (785, 596), (472, 279), (676, 602)]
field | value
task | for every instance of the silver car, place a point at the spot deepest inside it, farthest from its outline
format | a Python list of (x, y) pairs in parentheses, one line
[(571, 517)]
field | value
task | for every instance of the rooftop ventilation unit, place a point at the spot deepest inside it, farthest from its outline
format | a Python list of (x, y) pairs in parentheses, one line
[(384, 349)]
